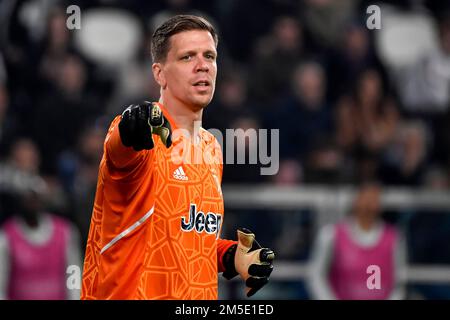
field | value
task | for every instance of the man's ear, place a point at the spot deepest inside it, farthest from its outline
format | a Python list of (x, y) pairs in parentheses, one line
[(158, 74)]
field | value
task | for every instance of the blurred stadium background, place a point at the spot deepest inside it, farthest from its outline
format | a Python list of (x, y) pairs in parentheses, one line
[(352, 104)]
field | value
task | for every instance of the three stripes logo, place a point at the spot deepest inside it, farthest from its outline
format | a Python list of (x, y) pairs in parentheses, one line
[(179, 174)]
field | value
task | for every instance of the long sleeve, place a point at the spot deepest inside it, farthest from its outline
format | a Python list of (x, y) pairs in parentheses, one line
[(73, 258), (4, 266), (401, 260), (320, 264), (117, 155)]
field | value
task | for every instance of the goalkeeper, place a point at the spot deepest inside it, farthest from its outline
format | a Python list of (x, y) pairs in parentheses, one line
[(158, 212)]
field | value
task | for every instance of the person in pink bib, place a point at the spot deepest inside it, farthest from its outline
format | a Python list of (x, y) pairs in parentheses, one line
[(360, 258), (36, 249)]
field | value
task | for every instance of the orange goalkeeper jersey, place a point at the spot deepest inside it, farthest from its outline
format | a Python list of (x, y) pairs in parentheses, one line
[(156, 221)]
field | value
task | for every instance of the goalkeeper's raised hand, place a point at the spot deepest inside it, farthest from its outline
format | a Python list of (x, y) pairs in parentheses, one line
[(250, 261), (140, 122)]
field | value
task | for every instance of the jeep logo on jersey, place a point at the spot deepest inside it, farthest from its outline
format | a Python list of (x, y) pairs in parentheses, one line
[(210, 222)]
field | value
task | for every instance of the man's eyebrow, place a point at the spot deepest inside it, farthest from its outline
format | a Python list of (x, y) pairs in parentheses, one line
[(211, 52), (191, 52)]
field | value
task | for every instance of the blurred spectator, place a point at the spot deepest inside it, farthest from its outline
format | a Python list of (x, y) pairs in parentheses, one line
[(35, 250), (21, 162), (325, 164), (35, 246), (343, 253), (303, 117), (376, 114), (78, 170), (243, 22), (366, 123), (25, 156), (17, 48), (62, 112), (326, 19), (55, 46), (245, 143), (405, 159), (349, 59), (274, 56), (230, 103)]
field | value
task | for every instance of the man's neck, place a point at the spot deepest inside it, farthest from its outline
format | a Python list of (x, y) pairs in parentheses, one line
[(365, 223), (185, 117)]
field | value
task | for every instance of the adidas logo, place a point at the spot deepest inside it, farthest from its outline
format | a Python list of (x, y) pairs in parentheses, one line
[(179, 174)]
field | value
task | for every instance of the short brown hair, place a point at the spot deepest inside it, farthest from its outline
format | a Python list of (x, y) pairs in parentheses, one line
[(160, 45)]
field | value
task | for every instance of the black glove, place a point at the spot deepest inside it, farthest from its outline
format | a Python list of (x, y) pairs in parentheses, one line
[(250, 261), (139, 122)]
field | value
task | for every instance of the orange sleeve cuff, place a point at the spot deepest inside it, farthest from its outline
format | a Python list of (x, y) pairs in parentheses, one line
[(222, 246)]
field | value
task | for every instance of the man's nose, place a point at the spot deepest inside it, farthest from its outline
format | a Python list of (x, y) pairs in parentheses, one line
[(202, 65)]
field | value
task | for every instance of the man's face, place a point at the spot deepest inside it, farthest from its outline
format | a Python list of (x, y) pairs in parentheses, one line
[(189, 73), (368, 201)]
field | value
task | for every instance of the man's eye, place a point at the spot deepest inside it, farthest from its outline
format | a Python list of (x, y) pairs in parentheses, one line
[(210, 56), (187, 58)]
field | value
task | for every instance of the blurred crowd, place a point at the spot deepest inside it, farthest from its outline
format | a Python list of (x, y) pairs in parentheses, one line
[(310, 68)]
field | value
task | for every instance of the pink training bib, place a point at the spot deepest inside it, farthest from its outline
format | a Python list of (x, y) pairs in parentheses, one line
[(350, 261), (37, 272)]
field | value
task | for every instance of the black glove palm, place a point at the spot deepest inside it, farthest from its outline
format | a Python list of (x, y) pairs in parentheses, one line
[(250, 261), (140, 122)]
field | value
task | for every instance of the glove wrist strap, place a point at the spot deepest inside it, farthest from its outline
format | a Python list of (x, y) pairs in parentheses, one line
[(228, 263)]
